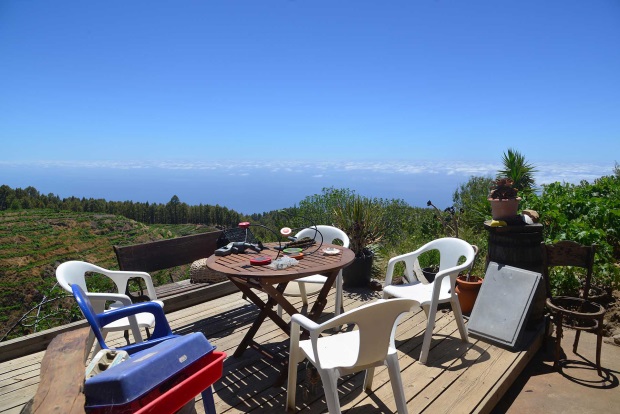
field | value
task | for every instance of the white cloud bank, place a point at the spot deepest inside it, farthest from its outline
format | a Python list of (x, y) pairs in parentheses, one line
[(548, 172)]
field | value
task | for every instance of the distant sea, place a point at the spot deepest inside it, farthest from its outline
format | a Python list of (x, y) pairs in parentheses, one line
[(257, 186)]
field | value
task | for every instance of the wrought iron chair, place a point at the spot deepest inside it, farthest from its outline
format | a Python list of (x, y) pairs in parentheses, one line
[(343, 353), (441, 290), (578, 313)]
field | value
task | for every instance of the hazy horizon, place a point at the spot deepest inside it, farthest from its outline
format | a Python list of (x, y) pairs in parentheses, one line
[(258, 186)]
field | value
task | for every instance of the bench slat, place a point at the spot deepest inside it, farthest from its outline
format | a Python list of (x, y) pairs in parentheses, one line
[(164, 254)]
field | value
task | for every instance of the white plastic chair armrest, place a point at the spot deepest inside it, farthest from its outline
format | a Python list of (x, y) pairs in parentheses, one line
[(123, 276), (115, 297), (298, 320), (304, 322)]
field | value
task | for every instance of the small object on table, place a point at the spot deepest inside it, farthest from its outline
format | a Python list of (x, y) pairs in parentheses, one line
[(282, 263), (260, 261), (292, 250), (303, 243), (331, 251)]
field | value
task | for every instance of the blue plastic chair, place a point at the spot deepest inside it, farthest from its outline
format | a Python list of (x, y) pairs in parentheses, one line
[(160, 333)]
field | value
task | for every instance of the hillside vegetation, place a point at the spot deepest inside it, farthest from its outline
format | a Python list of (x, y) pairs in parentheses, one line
[(34, 242)]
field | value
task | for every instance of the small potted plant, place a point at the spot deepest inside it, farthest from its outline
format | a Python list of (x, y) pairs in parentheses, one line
[(468, 286), (504, 200)]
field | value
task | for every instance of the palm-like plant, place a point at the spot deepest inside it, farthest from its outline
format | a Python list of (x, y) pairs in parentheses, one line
[(362, 220), (518, 170)]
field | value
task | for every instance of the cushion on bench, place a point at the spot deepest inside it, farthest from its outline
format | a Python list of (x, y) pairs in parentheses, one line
[(200, 273)]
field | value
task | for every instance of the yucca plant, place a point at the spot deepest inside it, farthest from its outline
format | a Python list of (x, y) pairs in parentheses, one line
[(362, 220), (518, 170)]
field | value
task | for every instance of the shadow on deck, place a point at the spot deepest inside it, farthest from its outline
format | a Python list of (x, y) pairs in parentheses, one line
[(459, 377)]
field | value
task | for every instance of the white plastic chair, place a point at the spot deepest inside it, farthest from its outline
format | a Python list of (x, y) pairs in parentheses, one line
[(441, 290), (343, 353), (298, 288), (74, 272)]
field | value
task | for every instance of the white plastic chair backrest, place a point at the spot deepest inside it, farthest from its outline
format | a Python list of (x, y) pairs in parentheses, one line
[(74, 272), (450, 250), (376, 323), (328, 234)]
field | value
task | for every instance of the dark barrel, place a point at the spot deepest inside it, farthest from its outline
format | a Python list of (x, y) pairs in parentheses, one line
[(519, 246)]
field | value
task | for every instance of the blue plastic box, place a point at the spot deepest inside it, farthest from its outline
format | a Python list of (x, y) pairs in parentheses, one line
[(145, 371)]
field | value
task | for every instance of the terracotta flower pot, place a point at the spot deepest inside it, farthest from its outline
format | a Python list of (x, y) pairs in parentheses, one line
[(504, 209), (467, 292)]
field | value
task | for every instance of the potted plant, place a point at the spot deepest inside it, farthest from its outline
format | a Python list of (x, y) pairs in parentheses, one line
[(468, 286), (362, 220), (430, 272), (504, 200)]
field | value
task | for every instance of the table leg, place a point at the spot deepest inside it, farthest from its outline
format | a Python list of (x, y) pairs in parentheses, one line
[(321, 300), (249, 336), (266, 310)]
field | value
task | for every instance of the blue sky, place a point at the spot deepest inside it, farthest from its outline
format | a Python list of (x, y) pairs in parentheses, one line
[(197, 84)]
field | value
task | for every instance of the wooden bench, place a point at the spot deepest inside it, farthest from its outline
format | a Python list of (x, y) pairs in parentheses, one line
[(62, 375), (166, 254)]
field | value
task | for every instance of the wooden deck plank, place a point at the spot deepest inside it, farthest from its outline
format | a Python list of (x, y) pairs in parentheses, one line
[(431, 399), (503, 383), (247, 383)]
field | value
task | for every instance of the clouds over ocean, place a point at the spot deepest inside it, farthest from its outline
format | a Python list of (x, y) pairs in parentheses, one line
[(254, 186)]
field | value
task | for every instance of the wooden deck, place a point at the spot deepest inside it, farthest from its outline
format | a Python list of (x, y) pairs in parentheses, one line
[(459, 377)]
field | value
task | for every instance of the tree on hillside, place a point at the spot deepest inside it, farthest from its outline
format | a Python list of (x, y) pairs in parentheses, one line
[(471, 199)]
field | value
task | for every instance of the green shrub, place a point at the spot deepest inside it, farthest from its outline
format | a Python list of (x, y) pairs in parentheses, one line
[(586, 213)]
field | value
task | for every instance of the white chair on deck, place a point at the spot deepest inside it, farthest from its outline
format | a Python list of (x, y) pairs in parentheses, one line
[(343, 353), (75, 272), (441, 290), (312, 285)]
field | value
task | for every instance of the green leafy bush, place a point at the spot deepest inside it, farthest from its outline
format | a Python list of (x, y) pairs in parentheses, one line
[(586, 213)]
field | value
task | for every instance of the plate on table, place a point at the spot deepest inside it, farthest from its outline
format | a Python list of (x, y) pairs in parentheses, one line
[(330, 251), (292, 250)]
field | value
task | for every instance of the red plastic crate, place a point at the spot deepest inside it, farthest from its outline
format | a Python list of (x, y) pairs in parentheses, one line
[(171, 395), (202, 378)]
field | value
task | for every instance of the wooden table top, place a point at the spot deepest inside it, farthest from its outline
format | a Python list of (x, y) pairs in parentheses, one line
[(317, 263)]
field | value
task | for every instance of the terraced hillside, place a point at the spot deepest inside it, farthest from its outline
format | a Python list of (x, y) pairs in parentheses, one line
[(34, 242)]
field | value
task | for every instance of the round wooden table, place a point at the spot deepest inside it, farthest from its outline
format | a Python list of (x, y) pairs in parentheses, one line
[(249, 278)]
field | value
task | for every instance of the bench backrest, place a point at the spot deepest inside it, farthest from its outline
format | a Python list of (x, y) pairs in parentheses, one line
[(164, 254)]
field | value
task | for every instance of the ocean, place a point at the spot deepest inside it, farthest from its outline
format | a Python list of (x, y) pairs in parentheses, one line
[(258, 186)]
